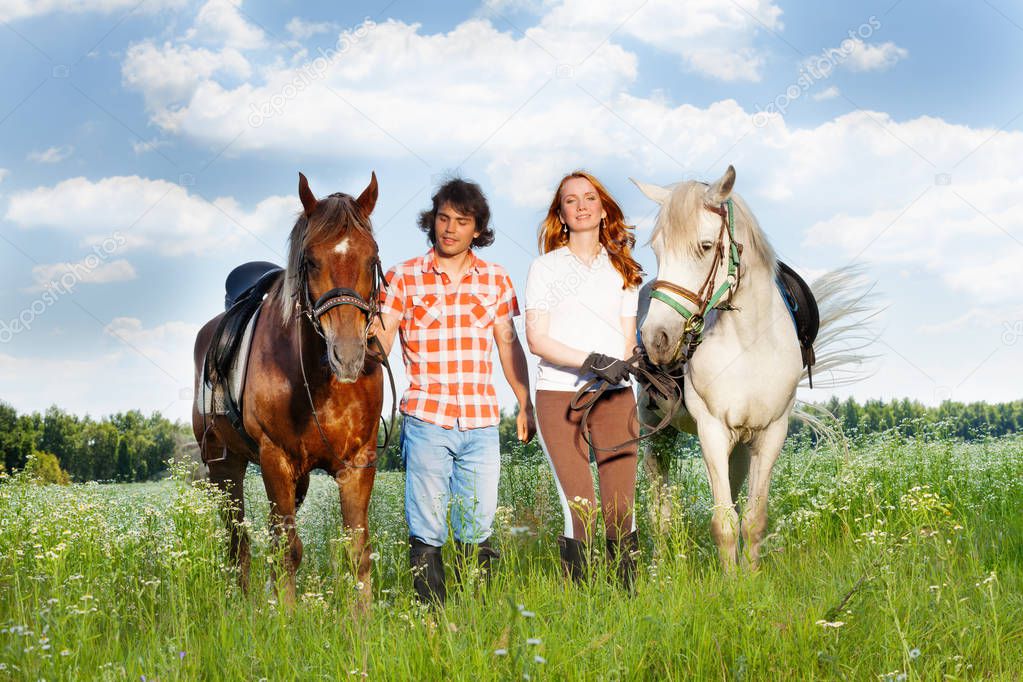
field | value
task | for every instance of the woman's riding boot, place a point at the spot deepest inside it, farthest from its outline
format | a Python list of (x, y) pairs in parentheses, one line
[(575, 558), (427, 572), (623, 552)]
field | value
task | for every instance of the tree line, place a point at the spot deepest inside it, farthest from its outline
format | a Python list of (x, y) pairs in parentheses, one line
[(130, 446), (127, 446), (963, 421)]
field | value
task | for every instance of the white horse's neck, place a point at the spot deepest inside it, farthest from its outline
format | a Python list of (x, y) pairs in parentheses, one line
[(747, 367), (753, 303)]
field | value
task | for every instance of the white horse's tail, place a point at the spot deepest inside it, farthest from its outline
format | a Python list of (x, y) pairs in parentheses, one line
[(848, 309)]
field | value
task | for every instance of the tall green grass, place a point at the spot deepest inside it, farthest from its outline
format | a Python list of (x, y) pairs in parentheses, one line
[(899, 559)]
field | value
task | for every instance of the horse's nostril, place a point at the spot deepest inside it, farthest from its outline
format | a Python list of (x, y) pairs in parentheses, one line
[(661, 339)]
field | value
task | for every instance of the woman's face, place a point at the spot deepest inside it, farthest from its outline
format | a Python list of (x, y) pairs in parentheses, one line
[(580, 206)]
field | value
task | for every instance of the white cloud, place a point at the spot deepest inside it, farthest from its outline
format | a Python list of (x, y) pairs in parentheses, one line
[(52, 154), (528, 118), (148, 145), (863, 56), (21, 9), (712, 38), (151, 214), (301, 29), (222, 22), (831, 92), (4, 173), (87, 271), (170, 74)]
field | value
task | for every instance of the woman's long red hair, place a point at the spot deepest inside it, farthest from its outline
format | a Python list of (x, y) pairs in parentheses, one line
[(615, 236)]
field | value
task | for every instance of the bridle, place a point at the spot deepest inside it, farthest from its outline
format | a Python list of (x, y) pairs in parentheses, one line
[(335, 298), (707, 298), (340, 296)]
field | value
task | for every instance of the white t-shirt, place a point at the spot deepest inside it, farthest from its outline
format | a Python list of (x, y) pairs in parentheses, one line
[(585, 305)]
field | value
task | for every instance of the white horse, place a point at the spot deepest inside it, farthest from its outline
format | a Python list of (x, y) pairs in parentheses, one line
[(716, 306)]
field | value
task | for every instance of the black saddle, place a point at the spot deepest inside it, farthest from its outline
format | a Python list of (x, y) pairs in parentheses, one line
[(246, 277), (246, 285), (803, 306)]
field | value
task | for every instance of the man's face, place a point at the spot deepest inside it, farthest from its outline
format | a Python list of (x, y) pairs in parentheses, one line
[(453, 231)]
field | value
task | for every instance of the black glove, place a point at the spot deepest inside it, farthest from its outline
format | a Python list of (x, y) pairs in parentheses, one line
[(612, 370)]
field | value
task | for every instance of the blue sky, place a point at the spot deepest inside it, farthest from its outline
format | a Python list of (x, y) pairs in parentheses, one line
[(134, 132)]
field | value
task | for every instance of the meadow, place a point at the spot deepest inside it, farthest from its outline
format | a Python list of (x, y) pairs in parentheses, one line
[(893, 559)]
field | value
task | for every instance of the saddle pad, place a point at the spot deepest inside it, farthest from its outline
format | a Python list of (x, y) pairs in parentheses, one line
[(801, 303), (210, 400)]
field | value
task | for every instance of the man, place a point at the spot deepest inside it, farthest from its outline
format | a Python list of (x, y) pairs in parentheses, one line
[(450, 308)]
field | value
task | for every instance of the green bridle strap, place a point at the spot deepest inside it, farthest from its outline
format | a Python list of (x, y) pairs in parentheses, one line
[(675, 305), (731, 280)]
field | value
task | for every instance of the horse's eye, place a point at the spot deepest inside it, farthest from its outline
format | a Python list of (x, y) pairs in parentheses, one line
[(311, 266), (706, 246)]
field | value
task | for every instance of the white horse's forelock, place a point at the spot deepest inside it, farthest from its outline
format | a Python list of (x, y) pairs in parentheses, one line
[(677, 227)]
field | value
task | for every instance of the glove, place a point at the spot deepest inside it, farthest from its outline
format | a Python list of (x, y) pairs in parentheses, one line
[(612, 370)]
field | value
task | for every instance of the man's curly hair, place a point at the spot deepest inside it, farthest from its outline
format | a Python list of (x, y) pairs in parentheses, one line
[(466, 198)]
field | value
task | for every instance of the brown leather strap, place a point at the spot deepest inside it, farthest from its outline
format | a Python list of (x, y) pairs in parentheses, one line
[(661, 382)]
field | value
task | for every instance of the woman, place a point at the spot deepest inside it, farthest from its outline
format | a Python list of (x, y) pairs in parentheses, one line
[(581, 297)]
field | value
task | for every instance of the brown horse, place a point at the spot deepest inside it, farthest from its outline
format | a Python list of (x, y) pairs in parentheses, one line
[(313, 393)]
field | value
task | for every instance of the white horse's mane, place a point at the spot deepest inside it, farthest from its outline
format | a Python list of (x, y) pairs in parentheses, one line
[(679, 220)]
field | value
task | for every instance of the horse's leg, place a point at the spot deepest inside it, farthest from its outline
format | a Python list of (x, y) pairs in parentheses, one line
[(655, 464), (229, 476), (656, 459), (354, 486), (301, 488), (716, 445), (765, 449), (738, 469), (280, 483)]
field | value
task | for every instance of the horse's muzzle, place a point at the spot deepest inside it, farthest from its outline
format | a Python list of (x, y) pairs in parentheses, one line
[(660, 344), (346, 358)]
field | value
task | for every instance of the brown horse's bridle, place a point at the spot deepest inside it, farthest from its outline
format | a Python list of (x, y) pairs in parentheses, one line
[(707, 297), (340, 296), (335, 298)]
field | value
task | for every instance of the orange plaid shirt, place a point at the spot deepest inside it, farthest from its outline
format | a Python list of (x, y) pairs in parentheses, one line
[(447, 336)]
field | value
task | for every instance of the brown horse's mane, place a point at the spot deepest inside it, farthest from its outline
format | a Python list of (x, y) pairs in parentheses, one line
[(334, 217)]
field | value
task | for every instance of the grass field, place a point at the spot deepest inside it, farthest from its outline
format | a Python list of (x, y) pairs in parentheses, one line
[(896, 560)]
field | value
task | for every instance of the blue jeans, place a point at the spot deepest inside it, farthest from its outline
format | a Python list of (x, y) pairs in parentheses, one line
[(448, 466)]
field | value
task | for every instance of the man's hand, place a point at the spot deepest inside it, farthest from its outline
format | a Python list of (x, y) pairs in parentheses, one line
[(525, 424), (612, 370)]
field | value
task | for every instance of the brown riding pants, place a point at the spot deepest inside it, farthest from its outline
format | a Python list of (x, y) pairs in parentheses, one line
[(612, 421)]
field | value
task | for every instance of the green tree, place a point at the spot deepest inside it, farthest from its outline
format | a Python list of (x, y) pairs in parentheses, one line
[(43, 468)]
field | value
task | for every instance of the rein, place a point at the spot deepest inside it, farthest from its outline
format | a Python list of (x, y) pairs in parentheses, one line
[(335, 298), (657, 380)]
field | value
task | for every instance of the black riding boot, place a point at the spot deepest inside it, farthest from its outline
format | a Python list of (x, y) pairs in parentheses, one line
[(483, 554), (575, 558), (427, 572), (624, 551)]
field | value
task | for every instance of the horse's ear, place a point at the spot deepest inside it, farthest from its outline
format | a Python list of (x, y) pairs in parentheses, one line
[(368, 199), (306, 195), (719, 192), (655, 193)]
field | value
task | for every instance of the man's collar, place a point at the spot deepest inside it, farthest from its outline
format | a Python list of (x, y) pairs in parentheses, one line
[(430, 261)]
